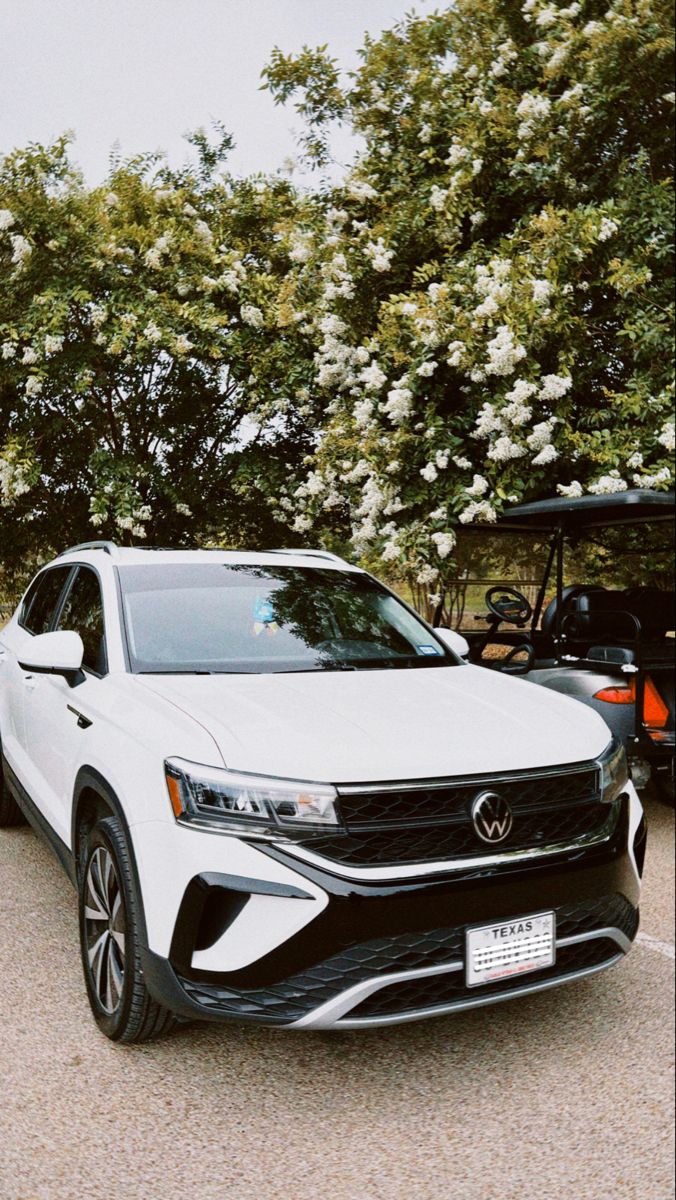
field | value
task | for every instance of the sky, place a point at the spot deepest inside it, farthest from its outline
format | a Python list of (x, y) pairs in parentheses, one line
[(141, 73)]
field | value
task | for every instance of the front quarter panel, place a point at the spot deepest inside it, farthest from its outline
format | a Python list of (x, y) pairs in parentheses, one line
[(131, 735)]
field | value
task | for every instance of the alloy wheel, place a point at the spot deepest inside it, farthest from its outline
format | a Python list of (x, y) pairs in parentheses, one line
[(105, 929)]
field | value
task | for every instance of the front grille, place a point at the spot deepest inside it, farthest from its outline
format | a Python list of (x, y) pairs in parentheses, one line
[(400, 998), (425, 824), (301, 993)]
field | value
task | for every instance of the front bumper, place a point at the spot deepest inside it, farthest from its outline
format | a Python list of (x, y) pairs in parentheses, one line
[(391, 951)]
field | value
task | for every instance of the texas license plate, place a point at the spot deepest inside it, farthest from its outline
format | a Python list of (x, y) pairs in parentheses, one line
[(497, 952)]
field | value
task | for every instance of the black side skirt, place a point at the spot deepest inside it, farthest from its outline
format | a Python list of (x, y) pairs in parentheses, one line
[(39, 822)]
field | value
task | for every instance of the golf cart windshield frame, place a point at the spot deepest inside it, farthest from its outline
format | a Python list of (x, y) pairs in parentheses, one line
[(562, 516)]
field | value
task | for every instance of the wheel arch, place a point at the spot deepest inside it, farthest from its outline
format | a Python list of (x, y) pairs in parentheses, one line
[(93, 800)]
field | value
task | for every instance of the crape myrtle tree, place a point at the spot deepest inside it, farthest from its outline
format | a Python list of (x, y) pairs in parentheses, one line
[(151, 380), (490, 295)]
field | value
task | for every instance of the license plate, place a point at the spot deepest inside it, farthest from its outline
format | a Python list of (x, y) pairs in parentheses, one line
[(497, 952)]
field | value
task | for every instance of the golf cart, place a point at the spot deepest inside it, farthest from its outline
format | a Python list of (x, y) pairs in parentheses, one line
[(611, 647)]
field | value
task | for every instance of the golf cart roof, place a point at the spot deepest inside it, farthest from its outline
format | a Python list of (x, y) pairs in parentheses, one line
[(630, 507)]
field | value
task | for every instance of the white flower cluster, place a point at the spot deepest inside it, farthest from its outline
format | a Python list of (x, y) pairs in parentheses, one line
[(667, 437), (338, 280), (478, 510), (152, 332), (507, 53), (571, 490), (542, 290), (154, 257), (553, 387), (427, 574), (300, 246), (444, 543), (8, 350), (438, 198), (203, 234), (534, 108), (429, 472), (664, 475), (457, 153), (372, 377), (516, 411), (338, 363), (378, 255), (455, 353), (399, 402), (608, 229), (21, 250), (34, 386), (233, 276), (7, 219), (252, 316), (362, 413), (546, 455), (361, 189), (14, 478), (503, 449), (478, 488), (504, 352), (607, 485), (53, 343), (426, 369), (541, 436)]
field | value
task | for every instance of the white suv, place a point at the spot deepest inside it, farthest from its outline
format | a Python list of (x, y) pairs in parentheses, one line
[(283, 797)]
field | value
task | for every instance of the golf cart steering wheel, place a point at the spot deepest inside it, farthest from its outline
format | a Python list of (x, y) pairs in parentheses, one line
[(507, 604), (509, 667)]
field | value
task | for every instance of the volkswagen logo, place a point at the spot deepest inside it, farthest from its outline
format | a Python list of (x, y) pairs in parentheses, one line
[(492, 817)]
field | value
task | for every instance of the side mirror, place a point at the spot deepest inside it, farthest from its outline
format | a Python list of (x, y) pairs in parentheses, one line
[(60, 653), (455, 641)]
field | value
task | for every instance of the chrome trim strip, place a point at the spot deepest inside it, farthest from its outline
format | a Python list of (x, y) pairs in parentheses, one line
[(418, 870), (609, 931), (333, 1012), (416, 785), (475, 1001)]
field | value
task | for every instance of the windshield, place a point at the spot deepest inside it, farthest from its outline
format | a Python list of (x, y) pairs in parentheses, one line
[(257, 619)]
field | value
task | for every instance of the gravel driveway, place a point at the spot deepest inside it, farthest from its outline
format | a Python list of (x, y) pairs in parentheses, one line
[(567, 1094)]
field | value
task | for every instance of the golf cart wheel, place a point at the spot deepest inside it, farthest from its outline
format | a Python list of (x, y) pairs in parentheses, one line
[(109, 910)]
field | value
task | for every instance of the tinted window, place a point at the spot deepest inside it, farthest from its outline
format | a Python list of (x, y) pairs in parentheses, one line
[(40, 605), (218, 617), (83, 614)]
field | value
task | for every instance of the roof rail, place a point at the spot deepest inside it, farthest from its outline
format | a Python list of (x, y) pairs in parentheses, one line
[(304, 553), (107, 547)]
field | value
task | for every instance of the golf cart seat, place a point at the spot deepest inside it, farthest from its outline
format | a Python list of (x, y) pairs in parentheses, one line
[(619, 621)]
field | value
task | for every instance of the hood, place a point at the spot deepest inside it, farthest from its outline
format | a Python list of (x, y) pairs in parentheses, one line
[(363, 726)]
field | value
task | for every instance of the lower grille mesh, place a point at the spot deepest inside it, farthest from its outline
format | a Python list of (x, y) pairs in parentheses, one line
[(301, 993)]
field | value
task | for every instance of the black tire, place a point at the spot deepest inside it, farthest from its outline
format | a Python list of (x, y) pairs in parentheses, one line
[(109, 911), (10, 813)]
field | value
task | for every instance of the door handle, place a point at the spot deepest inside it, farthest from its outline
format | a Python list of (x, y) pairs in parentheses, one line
[(31, 682)]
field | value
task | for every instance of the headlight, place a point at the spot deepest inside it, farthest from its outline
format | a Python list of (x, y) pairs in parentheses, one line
[(614, 771), (233, 801)]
